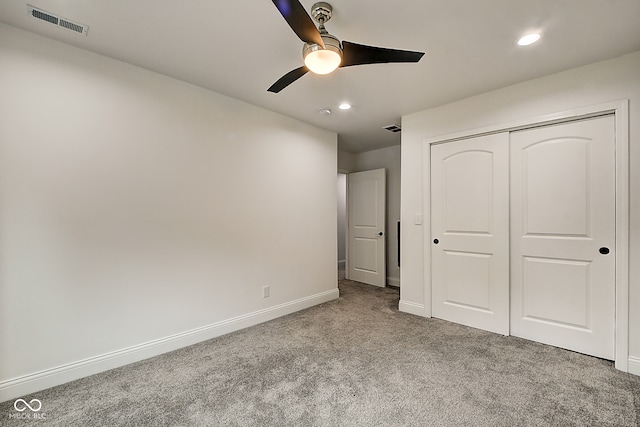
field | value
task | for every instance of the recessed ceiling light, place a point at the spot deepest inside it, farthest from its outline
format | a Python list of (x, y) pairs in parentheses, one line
[(528, 39), (345, 106)]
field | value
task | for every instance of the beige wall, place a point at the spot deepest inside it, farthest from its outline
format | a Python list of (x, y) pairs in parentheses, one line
[(346, 161), (140, 214)]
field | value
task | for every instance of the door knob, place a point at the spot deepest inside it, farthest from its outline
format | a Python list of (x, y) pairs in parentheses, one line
[(380, 233), (436, 241), (604, 250)]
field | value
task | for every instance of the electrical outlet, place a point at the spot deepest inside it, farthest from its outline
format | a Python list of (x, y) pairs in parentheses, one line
[(265, 291)]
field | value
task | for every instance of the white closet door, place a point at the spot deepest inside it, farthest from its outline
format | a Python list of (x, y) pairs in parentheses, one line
[(562, 226), (470, 232)]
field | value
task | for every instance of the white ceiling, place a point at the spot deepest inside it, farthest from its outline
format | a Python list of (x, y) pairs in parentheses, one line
[(240, 47)]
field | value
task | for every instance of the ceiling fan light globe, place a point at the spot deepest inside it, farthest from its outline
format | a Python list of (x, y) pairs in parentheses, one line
[(321, 60)]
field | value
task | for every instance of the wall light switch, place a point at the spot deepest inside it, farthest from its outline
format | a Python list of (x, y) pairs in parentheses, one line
[(418, 219)]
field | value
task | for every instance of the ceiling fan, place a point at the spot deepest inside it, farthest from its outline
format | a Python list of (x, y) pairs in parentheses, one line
[(323, 52)]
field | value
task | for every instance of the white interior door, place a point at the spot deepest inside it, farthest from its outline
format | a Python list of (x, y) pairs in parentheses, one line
[(470, 232), (562, 218), (366, 241)]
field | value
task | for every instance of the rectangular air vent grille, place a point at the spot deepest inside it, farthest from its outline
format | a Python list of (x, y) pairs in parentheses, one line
[(393, 128), (44, 16), (56, 20), (73, 27)]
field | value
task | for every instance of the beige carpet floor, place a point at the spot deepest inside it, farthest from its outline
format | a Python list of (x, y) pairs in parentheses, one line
[(355, 361)]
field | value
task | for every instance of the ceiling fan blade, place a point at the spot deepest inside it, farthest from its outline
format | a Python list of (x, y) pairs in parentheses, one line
[(358, 54), (287, 79), (299, 21)]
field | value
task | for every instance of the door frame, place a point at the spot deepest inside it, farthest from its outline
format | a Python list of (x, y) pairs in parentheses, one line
[(620, 110)]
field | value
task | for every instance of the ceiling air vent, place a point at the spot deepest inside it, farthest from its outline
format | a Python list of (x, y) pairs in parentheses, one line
[(57, 20), (392, 128)]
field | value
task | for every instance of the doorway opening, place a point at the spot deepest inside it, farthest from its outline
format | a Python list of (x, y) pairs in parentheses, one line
[(342, 224)]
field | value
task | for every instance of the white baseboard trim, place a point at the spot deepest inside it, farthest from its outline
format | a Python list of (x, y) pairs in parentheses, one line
[(393, 281), (634, 365), (413, 308), (28, 384)]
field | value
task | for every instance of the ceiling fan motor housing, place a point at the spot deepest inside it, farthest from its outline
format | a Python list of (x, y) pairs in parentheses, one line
[(330, 43), (321, 12)]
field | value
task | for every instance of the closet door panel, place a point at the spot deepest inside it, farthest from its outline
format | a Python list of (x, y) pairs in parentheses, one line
[(470, 228), (563, 235)]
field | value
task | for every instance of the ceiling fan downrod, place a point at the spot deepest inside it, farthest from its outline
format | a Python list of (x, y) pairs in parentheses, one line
[(321, 12)]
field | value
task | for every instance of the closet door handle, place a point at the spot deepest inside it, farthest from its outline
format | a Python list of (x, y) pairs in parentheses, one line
[(436, 241), (604, 250)]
